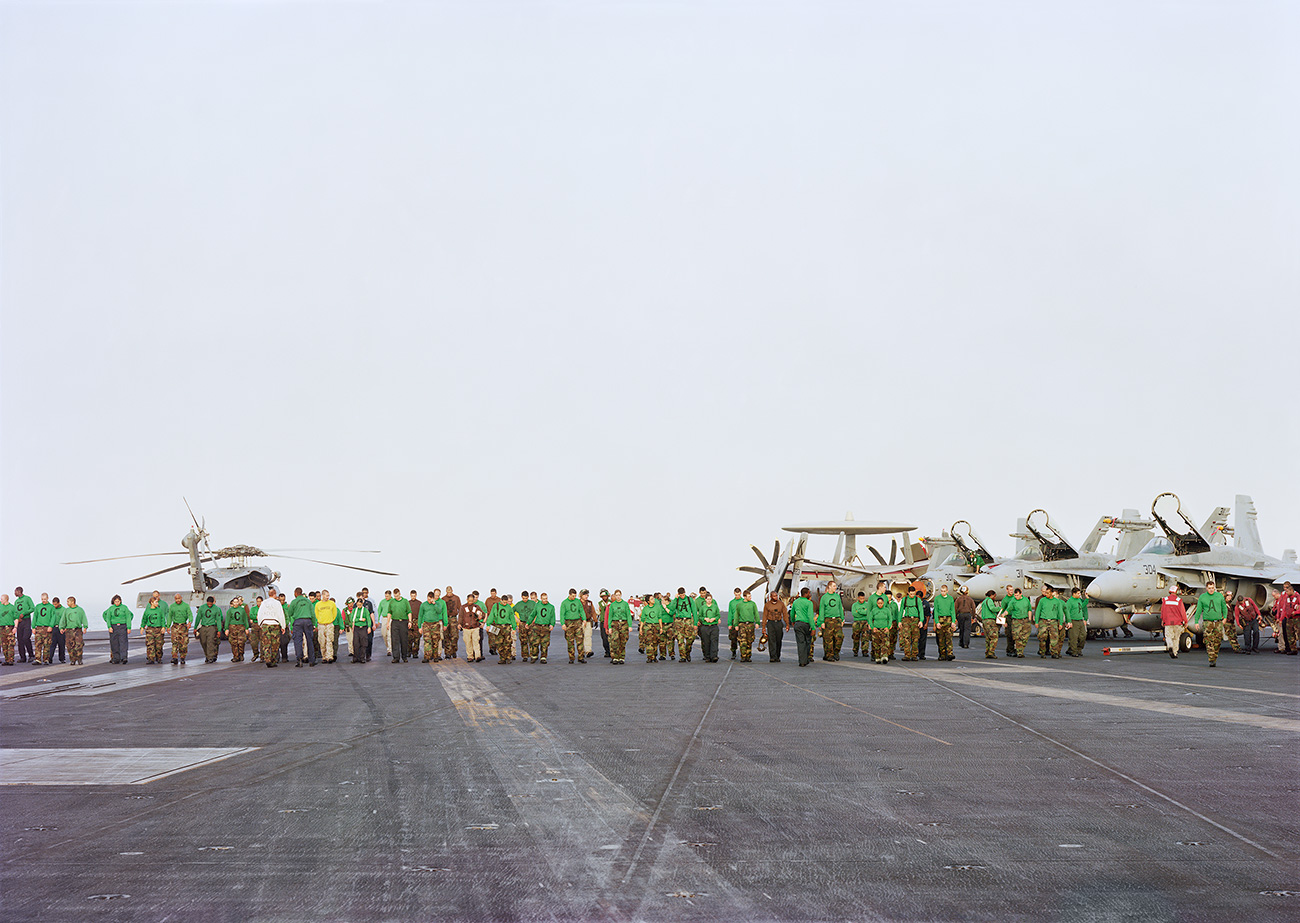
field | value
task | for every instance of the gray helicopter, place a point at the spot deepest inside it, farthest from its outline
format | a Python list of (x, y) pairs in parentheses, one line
[(237, 577)]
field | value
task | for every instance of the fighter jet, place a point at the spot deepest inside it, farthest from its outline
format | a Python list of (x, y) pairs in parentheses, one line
[(1061, 565), (1187, 557)]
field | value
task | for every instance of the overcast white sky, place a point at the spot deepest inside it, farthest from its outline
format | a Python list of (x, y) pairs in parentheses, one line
[(575, 293)]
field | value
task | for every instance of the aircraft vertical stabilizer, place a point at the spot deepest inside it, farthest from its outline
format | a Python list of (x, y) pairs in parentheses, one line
[(1134, 534), (1022, 536), (1093, 541), (1245, 526)]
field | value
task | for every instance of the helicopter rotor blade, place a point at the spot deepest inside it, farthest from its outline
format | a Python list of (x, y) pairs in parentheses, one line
[(165, 570), (194, 519), (124, 557), (334, 564), (336, 550)]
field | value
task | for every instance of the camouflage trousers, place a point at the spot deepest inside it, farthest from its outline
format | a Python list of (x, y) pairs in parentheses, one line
[(237, 635), (832, 638), (413, 634), (880, 644), (990, 629), (255, 639), (450, 640), (1049, 638), (541, 640), (1019, 635), (861, 636), (1214, 632), (650, 642), (271, 643), (909, 633), (893, 638), (668, 639), (7, 637), (432, 634), (505, 643), (687, 632), (180, 641), (1290, 633), (76, 644), (154, 635), (1077, 633), (42, 638), (943, 637), (745, 638), (1230, 629), (573, 639), (617, 640)]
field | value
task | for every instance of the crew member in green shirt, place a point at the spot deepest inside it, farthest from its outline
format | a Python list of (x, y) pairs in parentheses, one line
[(72, 619), (179, 616), (153, 626), (681, 613), (882, 617), (620, 625), (1212, 610), (572, 615), (1076, 622), (399, 618), (543, 622), (237, 619), (118, 618), (525, 615), (208, 623), (708, 623), (24, 607), (8, 619), (945, 616), (653, 614), (803, 616), (363, 623), (746, 616), (1005, 611), (688, 628), (501, 622), (433, 622), (832, 616), (44, 617), (1049, 613), (989, 611), (909, 619), (1018, 621), (861, 624)]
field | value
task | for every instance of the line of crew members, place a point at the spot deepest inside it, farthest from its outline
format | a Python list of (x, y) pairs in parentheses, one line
[(668, 625)]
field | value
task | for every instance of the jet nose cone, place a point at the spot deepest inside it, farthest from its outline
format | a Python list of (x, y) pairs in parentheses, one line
[(982, 583), (1114, 586)]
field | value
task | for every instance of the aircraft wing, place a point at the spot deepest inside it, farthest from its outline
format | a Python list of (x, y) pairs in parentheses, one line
[(865, 570), (1192, 576)]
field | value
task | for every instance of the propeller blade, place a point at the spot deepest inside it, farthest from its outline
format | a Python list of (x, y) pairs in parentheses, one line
[(335, 550), (778, 571), (165, 570), (879, 556), (193, 518), (757, 583), (762, 559), (334, 564), (893, 551), (124, 557), (776, 550), (754, 570)]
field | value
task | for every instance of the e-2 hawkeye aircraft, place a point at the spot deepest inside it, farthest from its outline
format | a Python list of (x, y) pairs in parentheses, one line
[(790, 569), (1186, 557)]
